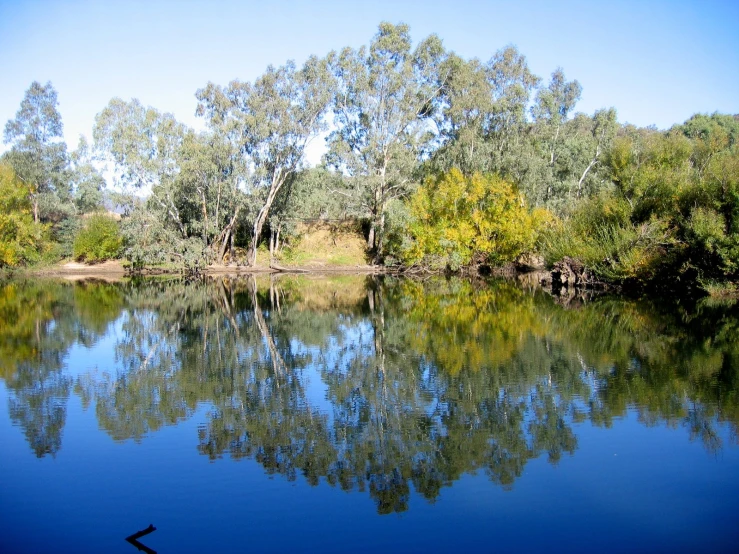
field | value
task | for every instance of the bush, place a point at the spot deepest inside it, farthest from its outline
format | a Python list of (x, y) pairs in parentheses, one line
[(64, 234), (457, 220), (98, 240), (22, 240), (601, 235)]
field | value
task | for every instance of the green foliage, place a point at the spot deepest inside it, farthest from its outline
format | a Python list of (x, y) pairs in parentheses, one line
[(668, 216), (398, 240), (149, 241), (457, 220), (270, 121), (601, 235), (87, 182), (706, 230), (22, 240), (98, 240), (384, 97), (37, 154), (614, 252), (65, 234)]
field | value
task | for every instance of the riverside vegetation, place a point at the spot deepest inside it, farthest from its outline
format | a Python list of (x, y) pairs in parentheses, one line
[(442, 162)]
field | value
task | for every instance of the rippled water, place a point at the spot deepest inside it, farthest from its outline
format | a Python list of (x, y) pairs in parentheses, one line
[(363, 414)]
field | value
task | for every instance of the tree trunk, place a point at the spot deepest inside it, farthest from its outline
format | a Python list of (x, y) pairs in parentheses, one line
[(232, 253), (205, 218), (584, 174), (371, 236), (278, 179), (271, 245), (226, 236)]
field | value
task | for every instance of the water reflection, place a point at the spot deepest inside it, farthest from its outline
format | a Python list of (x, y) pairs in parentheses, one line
[(421, 381)]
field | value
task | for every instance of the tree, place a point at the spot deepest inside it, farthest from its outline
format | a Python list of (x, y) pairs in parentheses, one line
[(603, 132), (382, 105), (87, 182), (37, 155), (270, 121), (483, 115), (145, 146), (21, 238), (512, 85), (207, 190), (98, 240), (466, 100), (551, 111)]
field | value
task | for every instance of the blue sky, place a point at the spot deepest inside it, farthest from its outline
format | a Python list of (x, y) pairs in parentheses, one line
[(656, 62)]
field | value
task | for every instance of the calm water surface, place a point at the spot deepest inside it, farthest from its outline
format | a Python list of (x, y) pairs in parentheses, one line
[(356, 414)]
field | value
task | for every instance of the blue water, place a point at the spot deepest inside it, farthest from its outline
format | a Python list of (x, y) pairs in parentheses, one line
[(626, 486)]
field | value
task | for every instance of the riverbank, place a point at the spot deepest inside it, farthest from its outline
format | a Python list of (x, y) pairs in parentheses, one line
[(118, 269), (567, 280)]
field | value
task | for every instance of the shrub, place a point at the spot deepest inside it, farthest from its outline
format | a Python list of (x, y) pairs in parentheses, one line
[(601, 235), (98, 240), (22, 240), (457, 219)]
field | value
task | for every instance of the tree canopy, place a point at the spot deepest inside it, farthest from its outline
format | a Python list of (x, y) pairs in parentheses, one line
[(411, 130)]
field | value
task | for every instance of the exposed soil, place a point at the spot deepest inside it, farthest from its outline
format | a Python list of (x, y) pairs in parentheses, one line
[(113, 270)]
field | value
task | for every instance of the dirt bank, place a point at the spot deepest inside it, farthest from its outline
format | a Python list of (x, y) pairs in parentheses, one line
[(115, 270)]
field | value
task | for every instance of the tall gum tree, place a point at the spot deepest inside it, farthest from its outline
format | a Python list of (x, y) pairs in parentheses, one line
[(207, 189), (270, 121), (143, 144), (466, 100), (551, 111), (596, 137), (382, 108), (512, 85), (482, 120), (38, 155)]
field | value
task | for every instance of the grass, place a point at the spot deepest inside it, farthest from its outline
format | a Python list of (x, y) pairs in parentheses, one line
[(613, 252), (326, 244), (721, 289)]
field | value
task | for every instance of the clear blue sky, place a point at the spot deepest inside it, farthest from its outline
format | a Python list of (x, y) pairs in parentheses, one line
[(655, 62)]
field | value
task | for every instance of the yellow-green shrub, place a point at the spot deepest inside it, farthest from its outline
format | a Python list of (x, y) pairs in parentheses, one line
[(457, 219), (98, 240), (22, 239)]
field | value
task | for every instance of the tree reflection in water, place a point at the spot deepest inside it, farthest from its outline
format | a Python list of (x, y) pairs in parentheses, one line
[(424, 380)]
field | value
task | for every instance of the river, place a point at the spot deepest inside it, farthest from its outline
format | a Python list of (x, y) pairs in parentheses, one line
[(363, 414)]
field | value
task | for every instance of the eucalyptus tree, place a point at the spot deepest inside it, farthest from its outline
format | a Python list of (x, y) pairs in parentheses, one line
[(466, 102), (38, 154), (87, 182), (512, 85), (711, 134), (588, 144), (382, 107), (270, 122), (482, 120), (145, 147), (207, 190), (551, 112), (143, 144)]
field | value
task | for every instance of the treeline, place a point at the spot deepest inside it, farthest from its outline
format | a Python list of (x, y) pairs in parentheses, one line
[(447, 161)]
